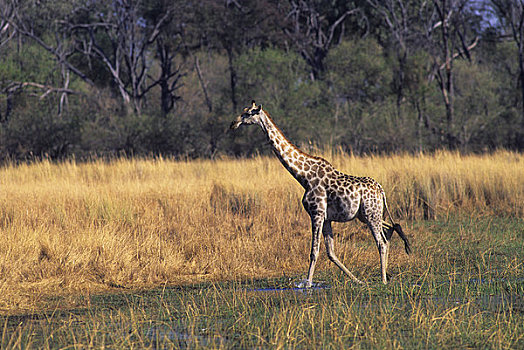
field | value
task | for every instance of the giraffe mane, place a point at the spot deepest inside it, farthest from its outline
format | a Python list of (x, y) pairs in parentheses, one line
[(291, 143)]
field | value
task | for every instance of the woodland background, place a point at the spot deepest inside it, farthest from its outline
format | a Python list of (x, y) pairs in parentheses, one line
[(84, 78)]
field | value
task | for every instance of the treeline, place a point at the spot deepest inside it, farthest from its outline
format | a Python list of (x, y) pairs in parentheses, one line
[(105, 77)]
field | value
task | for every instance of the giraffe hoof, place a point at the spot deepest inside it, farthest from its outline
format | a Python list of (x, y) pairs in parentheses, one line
[(303, 284)]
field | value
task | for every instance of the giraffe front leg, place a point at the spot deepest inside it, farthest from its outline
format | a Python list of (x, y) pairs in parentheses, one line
[(316, 228)]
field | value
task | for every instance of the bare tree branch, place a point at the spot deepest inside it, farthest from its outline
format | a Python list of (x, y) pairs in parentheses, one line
[(312, 32), (60, 56), (7, 12), (15, 86), (460, 53), (132, 38)]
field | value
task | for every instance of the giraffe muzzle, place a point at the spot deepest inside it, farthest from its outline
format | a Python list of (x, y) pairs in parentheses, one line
[(236, 123)]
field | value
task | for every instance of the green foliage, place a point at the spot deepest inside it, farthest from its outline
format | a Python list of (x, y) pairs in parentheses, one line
[(358, 72), (28, 63), (266, 73), (40, 133), (279, 80), (364, 115), (476, 103), (218, 57)]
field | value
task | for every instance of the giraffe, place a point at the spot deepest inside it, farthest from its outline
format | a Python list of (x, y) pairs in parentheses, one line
[(330, 195)]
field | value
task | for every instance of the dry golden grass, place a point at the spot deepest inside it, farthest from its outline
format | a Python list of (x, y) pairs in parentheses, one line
[(87, 227)]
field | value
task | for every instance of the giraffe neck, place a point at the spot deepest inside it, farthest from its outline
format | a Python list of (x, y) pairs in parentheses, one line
[(293, 159)]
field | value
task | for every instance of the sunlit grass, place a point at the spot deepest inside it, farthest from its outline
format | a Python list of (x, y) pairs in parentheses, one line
[(72, 227)]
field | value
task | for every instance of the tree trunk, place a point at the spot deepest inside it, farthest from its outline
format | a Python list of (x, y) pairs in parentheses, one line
[(420, 126), (520, 134), (400, 83), (232, 79), (203, 84), (450, 110)]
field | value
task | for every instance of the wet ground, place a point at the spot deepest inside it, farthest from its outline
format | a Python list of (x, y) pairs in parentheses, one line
[(198, 315)]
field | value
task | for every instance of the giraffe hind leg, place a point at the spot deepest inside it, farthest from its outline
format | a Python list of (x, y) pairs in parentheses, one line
[(377, 230)]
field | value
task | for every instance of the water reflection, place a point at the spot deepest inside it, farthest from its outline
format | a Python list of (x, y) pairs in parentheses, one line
[(298, 288), (165, 337)]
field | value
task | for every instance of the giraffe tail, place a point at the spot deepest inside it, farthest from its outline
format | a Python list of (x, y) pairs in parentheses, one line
[(398, 229), (389, 229)]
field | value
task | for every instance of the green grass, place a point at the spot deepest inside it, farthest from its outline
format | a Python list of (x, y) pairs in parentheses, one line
[(469, 293)]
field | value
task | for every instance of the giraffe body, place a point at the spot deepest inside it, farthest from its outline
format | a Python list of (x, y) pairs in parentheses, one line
[(330, 195)]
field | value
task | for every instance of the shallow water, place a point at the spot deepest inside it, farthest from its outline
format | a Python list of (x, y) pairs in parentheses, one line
[(210, 330), (290, 289), (495, 302), (298, 288), (183, 338)]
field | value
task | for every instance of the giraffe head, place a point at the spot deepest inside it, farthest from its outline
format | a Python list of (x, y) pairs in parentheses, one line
[(251, 115)]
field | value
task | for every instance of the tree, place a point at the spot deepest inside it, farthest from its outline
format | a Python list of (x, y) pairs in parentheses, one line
[(510, 14), (447, 35), (38, 23), (232, 26), (400, 19), (476, 103), (313, 26), (169, 45), (279, 80), (7, 33), (7, 12), (117, 34), (359, 78)]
